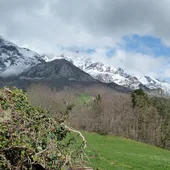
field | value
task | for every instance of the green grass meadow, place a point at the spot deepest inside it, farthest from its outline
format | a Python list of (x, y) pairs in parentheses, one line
[(114, 153), (84, 98)]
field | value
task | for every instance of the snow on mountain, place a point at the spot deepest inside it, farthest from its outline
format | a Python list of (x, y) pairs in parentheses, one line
[(153, 83), (14, 60), (109, 74), (101, 72)]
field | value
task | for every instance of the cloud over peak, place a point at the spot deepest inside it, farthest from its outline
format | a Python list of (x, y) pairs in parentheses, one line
[(46, 26)]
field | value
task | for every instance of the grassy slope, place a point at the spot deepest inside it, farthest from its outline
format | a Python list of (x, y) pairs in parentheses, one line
[(84, 98), (114, 153)]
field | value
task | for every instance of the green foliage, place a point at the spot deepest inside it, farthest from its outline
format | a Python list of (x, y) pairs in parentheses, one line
[(97, 107), (98, 97), (97, 100), (139, 92), (28, 136), (84, 98), (152, 115), (162, 106), (139, 98)]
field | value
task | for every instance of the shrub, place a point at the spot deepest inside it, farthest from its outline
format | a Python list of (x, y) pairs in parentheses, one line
[(29, 136)]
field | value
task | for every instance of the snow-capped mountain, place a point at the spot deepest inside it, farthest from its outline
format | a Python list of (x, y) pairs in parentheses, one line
[(109, 74), (14, 60), (152, 83)]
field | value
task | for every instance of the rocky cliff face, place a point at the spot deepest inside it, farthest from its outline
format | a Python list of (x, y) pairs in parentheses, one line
[(57, 69)]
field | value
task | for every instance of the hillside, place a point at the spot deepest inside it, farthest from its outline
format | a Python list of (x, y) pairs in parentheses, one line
[(114, 153)]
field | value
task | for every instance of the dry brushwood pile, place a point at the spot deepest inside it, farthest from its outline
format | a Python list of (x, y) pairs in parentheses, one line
[(29, 136)]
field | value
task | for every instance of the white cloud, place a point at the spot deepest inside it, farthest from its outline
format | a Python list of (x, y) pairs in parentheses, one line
[(94, 23), (137, 63), (45, 26), (134, 63), (166, 73)]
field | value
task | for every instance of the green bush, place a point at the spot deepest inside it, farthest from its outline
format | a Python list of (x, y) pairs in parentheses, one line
[(29, 136)]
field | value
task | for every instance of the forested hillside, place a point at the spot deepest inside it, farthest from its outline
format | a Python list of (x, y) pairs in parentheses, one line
[(137, 116)]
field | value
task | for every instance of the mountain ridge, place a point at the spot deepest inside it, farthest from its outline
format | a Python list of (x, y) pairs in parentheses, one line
[(15, 61), (109, 74)]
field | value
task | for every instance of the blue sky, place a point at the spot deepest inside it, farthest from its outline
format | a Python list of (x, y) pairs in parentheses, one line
[(152, 53), (146, 45)]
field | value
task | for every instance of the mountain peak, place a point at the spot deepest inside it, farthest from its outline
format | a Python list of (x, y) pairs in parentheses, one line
[(58, 68), (109, 74), (14, 60)]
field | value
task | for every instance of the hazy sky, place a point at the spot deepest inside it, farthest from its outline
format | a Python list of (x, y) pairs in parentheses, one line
[(132, 34)]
